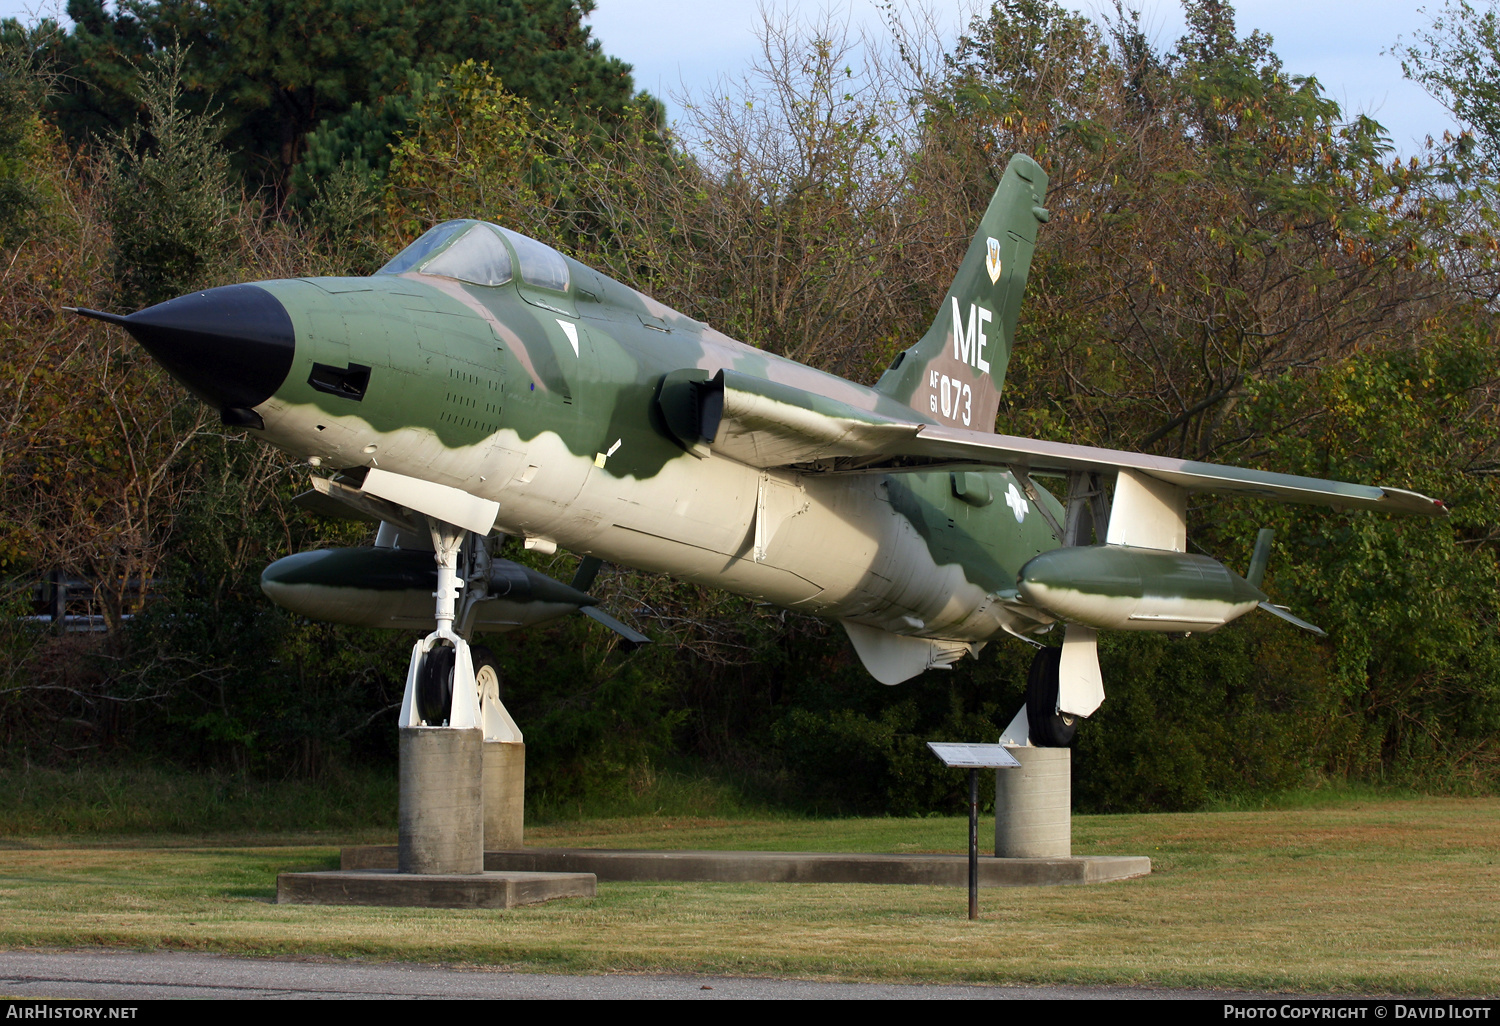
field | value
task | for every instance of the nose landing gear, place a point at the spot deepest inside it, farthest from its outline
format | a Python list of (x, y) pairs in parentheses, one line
[(448, 683), (435, 683)]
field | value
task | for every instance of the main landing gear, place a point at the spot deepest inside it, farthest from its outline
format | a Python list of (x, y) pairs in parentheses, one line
[(1049, 728)]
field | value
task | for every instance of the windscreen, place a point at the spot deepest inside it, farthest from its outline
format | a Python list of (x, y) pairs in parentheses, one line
[(479, 258), (424, 247)]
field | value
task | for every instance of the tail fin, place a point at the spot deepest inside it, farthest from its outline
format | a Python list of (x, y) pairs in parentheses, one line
[(956, 371)]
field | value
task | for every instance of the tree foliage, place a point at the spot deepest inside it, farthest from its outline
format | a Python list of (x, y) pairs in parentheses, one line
[(25, 83), (1233, 270), (1457, 59), (168, 184), (281, 70)]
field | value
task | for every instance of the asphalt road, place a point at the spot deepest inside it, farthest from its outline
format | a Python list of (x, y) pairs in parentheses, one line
[(130, 975)]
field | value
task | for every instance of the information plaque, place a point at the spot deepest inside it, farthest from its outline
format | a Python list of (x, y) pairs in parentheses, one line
[(973, 758), (962, 756)]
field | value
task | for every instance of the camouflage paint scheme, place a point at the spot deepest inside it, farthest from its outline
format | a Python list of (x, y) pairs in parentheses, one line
[(479, 387), (607, 424)]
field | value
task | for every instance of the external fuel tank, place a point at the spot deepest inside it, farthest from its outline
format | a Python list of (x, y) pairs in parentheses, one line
[(1119, 587)]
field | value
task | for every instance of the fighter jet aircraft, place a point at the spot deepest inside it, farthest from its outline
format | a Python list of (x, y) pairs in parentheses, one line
[(481, 383)]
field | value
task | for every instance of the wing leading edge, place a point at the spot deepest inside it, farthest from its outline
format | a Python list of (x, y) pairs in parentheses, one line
[(950, 444), (770, 424)]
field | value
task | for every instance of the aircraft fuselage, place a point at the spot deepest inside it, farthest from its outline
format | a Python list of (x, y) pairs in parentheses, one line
[(546, 402), (482, 381)]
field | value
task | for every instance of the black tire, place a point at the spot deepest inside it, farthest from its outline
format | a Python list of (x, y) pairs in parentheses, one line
[(435, 686), (1049, 728)]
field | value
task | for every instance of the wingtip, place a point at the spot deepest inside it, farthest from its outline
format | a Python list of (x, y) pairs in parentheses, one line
[(1402, 500)]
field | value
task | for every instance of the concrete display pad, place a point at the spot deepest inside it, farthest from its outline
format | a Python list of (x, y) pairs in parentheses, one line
[(788, 867), (375, 886)]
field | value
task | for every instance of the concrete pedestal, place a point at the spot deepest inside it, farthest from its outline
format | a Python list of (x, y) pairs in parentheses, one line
[(441, 822), (1033, 805), (504, 795)]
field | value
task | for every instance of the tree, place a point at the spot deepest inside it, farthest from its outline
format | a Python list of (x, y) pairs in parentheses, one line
[(25, 83), (169, 206), (1216, 222), (1231, 270), (775, 214), (1457, 60), (280, 69)]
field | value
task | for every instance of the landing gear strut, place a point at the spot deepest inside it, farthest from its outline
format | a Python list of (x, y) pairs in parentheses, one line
[(1049, 728), (448, 683)]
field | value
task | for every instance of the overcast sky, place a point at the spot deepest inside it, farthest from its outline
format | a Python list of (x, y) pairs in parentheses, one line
[(685, 45)]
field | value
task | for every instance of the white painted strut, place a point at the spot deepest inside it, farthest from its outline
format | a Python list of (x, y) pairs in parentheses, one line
[(446, 542), (464, 711)]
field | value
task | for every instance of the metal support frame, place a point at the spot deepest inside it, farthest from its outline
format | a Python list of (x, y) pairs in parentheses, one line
[(1085, 513), (1085, 499), (973, 757)]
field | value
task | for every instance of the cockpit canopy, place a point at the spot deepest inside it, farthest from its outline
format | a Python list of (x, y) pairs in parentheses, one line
[(481, 253)]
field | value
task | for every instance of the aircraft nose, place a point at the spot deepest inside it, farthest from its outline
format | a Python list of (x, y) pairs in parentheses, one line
[(231, 346)]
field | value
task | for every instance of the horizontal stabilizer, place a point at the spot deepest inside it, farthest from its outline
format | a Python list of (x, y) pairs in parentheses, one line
[(633, 638), (1292, 619)]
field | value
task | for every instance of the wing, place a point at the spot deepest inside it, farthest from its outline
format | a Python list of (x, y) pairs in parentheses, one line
[(770, 424)]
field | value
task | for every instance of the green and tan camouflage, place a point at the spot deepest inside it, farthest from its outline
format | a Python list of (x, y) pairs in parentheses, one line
[(485, 381)]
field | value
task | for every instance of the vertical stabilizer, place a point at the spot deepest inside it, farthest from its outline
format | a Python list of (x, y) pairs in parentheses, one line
[(956, 371)]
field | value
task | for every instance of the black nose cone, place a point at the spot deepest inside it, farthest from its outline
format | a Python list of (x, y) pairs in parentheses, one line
[(232, 346)]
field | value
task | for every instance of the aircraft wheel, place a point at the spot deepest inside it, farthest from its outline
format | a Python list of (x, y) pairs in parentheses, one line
[(435, 685), (1049, 728), (487, 676)]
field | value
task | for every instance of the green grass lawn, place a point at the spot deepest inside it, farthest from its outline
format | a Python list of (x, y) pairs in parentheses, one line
[(1360, 896)]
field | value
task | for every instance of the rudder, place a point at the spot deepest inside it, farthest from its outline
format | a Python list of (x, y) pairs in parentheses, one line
[(956, 371)]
